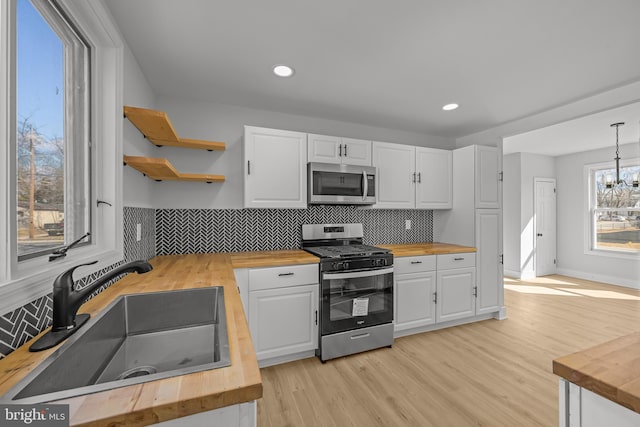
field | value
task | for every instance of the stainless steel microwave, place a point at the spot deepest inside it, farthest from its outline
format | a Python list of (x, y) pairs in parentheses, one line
[(334, 184)]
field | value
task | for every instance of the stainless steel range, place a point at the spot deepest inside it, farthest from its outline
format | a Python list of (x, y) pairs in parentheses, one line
[(356, 290)]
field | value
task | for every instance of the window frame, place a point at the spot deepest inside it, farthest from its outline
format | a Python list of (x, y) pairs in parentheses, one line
[(590, 228), (27, 280)]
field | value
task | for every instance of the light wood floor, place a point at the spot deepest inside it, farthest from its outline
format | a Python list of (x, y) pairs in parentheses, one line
[(490, 373)]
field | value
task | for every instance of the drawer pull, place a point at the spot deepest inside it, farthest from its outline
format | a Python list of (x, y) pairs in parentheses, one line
[(285, 274), (355, 337), (458, 259), (416, 262)]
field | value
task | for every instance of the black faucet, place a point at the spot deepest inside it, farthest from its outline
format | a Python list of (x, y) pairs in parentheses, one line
[(67, 301)]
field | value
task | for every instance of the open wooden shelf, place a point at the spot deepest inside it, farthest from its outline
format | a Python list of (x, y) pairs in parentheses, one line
[(157, 128), (162, 170)]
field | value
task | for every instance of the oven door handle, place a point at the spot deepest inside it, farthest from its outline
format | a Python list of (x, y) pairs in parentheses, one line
[(357, 274)]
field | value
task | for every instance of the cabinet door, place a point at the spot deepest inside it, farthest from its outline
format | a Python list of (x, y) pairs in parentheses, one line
[(455, 298), (396, 172), (324, 149), (488, 266), (284, 321), (434, 182), (356, 152), (275, 168), (414, 299), (487, 183)]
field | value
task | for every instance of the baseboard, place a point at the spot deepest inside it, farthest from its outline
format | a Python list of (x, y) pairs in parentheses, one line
[(284, 359), (514, 274), (604, 278)]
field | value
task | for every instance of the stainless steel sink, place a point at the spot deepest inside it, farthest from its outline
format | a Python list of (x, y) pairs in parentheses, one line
[(138, 338)]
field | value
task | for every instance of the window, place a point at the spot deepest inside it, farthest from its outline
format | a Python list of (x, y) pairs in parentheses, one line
[(52, 138), (615, 209), (77, 66)]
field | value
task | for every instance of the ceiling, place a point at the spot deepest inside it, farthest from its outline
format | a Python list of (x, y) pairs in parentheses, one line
[(383, 63)]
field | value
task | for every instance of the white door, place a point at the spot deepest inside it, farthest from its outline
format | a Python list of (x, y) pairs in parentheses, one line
[(275, 168), (396, 175), (284, 320), (434, 180), (545, 226), (414, 299)]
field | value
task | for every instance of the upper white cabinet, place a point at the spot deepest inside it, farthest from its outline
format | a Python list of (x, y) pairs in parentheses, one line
[(275, 165), (487, 179), (334, 149), (412, 177)]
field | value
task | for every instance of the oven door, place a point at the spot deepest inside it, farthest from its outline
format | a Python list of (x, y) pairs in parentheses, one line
[(356, 299)]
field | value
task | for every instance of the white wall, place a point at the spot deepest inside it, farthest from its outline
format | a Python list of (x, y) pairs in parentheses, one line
[(520, 169), (573, 221), (511, 214), (137, 93), (218, 122)]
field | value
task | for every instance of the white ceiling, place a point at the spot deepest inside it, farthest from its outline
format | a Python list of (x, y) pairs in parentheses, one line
[(583, 134), (387, 63)]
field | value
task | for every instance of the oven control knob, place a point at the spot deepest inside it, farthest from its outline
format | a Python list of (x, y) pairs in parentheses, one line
[(345, 265), (336, 265)]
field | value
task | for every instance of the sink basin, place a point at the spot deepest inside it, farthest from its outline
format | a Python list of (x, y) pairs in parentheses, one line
[(137, 338)]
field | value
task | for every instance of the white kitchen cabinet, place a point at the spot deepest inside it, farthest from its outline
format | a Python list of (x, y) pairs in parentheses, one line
[(455, 287), (283, 311), (414, 292), (275, 165), (334, 149), (476, 220), (412, 177), (434, 180), (488, 260)]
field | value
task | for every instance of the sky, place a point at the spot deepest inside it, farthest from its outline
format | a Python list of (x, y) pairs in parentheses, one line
[(40, 72)]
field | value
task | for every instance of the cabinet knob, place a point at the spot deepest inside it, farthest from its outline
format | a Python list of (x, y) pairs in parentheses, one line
[(539, 234)]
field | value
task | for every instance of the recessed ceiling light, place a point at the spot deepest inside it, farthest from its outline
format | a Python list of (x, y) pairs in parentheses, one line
[(450, 107), (283, 71)]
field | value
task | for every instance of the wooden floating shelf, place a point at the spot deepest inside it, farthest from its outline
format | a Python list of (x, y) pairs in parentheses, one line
[(162, 170), (157, 128)]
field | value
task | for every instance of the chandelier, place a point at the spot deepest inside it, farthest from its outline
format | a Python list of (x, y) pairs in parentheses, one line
[(610, 183)]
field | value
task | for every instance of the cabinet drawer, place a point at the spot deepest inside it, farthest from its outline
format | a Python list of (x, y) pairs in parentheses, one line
[(414, 264), (279, 277), (449, 261)]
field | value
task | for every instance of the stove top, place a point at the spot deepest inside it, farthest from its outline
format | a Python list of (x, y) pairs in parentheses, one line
[(343, 251)]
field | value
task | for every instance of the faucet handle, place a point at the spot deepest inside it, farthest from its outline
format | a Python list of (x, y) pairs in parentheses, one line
[(65, 279)]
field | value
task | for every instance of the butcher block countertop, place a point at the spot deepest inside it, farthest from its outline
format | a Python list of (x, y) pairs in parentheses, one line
[(416, 249), (271, 258), (169, 398), (611, 370)]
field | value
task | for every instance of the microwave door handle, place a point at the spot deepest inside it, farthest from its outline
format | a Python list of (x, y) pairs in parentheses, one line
[(356, 274), (365, 185)]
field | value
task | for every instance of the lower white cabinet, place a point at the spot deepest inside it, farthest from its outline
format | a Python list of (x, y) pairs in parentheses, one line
[(281, 305), (456, 287), (414, 293), (433, 289), (284, 321)]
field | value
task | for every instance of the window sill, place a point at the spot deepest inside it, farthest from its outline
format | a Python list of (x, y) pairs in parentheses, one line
[(613, 254), (23, 290)]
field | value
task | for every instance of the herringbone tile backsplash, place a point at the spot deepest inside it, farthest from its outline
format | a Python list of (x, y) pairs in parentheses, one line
[(180, 231)]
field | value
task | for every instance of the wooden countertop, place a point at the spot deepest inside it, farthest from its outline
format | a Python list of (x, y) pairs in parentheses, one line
[(611, 370), (415, 249), (169, 398), (271, 258)]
